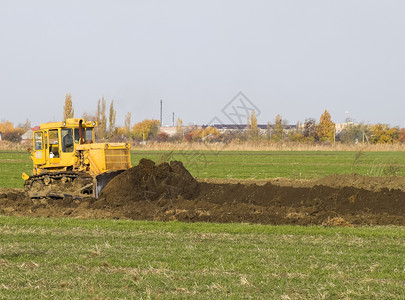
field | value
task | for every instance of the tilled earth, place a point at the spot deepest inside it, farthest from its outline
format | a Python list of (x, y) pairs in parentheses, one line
[(168, 192)]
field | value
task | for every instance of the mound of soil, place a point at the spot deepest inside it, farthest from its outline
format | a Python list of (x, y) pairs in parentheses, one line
[(168, 192), (147, 181)]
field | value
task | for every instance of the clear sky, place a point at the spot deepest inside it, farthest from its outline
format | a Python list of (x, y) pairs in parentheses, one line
[(293, 58)]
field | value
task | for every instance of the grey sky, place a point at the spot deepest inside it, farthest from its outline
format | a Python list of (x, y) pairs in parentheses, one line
[(294, 58)]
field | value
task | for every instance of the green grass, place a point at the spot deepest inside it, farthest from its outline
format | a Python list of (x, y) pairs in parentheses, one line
[(68, 258), (12, 165), (244, 164), (285, 164)]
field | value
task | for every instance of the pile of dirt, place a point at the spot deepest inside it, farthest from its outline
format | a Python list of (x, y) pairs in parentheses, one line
[(168, 192), (148, 181)]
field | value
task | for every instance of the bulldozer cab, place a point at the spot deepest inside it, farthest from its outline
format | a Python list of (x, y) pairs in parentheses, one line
[(39, 147), (55, 143)]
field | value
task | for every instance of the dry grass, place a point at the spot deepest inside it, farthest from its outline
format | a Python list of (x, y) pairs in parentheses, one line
[(10, 146), (267, 146), (337, 222), (239, 146)]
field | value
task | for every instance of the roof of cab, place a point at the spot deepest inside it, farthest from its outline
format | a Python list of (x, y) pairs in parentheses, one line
[(73, 122)]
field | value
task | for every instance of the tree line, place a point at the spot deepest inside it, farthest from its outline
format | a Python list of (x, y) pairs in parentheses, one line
[(310, 131)]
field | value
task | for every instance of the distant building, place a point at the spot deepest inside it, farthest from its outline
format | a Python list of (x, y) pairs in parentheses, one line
[(172, 130), (340, 126), (225, 128), (233, 128), (28, 135)]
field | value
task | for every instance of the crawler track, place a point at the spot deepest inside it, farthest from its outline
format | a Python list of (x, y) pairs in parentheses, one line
[(59, 185)]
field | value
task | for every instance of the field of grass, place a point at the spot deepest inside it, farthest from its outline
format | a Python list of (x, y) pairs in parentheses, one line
[(68, 258), (244, 164), (12, 165), (286, 164)]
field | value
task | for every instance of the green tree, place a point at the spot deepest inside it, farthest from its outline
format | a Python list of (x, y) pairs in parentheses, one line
[(68, 111), (326, 128), (353, 133)]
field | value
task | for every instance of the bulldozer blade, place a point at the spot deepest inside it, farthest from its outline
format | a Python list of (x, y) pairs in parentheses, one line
[(103, 179)]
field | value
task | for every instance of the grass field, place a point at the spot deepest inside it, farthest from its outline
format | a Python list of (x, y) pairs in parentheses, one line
[(286, 164), (12, 165), (244, 164), (67, 258), (70, 258)]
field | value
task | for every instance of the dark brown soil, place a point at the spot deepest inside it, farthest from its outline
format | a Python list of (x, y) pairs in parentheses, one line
[(168, 192), (147, 181)]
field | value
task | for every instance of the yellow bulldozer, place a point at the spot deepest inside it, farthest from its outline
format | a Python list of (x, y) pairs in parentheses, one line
[(69, 163)]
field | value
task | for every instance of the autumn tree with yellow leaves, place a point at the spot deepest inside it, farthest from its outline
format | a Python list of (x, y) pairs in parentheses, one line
[(253, 131), (6, 126), (326, 128), (201, 134), (145, 129), (11, 133), (383, 134), (179, 128)]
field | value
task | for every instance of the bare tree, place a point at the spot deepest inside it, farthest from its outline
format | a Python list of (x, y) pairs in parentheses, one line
[(89, 117), (101, 119), (68, 111), (128, 124), (310, 129), (27, 125), (278, 132), (112, 116)]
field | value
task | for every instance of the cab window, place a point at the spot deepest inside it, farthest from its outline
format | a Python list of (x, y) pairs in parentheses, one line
[(38, 140), (77, 136), (67, 140), (53, 143), (89, 134)]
